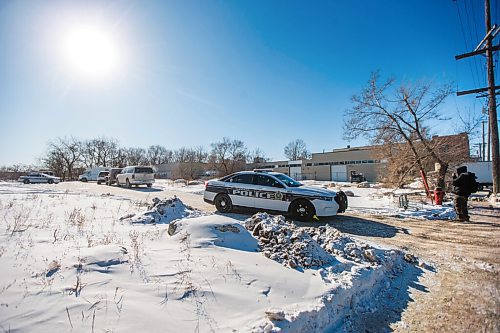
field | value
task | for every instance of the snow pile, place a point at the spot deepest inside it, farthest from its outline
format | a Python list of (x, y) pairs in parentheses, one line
[(163, 211), (495, 200), (183, 186), (296, 247), (430, 212)]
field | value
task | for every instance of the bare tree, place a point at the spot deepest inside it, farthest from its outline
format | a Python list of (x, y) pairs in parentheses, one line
[(228, 156), (121, 158), (159, 155), (136, 156), (63, 155), (386, 114), (258, 156), (200, 154), (99, 152), (297, 150)]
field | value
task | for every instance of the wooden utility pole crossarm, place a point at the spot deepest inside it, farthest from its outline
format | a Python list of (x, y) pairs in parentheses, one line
[(473, 53), (475, 91)]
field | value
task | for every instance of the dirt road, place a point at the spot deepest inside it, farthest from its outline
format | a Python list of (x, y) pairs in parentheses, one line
[(462, 295)]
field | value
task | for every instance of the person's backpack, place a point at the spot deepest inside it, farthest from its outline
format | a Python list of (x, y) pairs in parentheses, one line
[(474, 185)]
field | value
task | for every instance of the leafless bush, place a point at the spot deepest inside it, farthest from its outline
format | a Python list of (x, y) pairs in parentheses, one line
[(19, 222), (77, 218), (47, 220)]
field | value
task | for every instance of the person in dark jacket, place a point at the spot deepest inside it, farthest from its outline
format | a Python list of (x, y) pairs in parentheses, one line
[(463, 186)]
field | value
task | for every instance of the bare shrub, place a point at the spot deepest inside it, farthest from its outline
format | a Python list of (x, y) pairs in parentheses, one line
[(77, 218), (19, 223)]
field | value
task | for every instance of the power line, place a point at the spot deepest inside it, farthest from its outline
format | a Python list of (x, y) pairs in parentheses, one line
[(483, 68), (475, 60), (466, 44)]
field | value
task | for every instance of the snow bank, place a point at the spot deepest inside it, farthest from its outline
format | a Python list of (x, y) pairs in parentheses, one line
[(355, 272), (162, 211), (296, 247), (352, 276)]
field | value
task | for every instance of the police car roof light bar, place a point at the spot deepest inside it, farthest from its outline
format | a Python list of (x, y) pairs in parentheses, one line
[(262, 170)]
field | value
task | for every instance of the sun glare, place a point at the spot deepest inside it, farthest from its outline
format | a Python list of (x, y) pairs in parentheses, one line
[(91, 52)]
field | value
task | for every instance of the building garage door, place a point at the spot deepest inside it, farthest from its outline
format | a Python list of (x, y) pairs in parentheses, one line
[(339, 173), (296, 173)]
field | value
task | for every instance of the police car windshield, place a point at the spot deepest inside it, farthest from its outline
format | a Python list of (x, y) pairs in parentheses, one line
[(290, 182)]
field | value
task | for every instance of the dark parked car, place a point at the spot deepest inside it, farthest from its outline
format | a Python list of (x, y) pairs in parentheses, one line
[(101, 177), (111, 177)]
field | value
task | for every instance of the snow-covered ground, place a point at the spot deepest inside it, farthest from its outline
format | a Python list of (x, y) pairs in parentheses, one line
[(98, 260)]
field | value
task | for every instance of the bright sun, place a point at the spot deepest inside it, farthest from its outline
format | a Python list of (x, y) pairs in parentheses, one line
[(90, 52)]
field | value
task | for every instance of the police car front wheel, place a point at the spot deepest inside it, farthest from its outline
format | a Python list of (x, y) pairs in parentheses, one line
[(223, 203), (302, 210)]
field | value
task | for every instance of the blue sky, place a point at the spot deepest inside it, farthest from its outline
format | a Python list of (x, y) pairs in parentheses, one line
[(192, 72)]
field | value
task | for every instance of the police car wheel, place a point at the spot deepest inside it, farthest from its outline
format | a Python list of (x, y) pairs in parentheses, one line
[(302, 210), (223, 203), (26, 181)]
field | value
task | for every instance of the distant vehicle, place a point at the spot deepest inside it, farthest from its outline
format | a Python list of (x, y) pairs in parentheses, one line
[(36, 177), (91, 174), (111, 177), (483, 171), (136, 175), (101, 177), (357, 177), (273, 191), (47, 172)]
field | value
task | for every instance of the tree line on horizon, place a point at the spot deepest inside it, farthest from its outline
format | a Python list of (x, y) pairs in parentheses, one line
[(67, 156)]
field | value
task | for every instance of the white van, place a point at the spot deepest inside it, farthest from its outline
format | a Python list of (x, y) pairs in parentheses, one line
[(91, 174)]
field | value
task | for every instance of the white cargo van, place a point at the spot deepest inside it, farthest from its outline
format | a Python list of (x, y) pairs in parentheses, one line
[(91, 174)]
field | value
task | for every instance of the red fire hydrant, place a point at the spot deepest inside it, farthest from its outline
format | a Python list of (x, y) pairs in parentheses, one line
[(438, 195)]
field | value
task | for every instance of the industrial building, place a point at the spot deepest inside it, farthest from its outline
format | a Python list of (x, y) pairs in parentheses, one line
[(340, 164)]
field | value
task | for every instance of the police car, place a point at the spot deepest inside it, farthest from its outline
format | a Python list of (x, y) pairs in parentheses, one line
[(275, 192)]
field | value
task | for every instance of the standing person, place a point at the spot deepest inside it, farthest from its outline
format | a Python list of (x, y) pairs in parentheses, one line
[(463, 186)]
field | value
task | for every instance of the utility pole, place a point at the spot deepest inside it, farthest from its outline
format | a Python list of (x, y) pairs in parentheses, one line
[(492, 102), (486, 46)]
